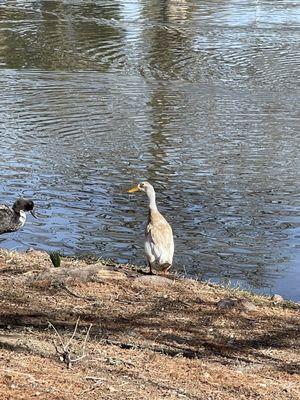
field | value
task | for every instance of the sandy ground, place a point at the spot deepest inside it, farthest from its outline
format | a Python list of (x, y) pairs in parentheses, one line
[(138, 336)]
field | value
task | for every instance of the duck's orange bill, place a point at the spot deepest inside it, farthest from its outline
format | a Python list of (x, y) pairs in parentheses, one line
[(134, 189)]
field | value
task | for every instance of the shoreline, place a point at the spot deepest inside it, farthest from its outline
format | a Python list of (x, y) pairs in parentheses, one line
[(229, 283), (139, 336), (229, 286), (177, 270)]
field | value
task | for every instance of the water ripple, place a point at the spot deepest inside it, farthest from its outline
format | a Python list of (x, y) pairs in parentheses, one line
[(199, 98)]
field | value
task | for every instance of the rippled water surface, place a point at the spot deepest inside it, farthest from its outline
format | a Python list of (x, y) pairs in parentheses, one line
[(201, 98)]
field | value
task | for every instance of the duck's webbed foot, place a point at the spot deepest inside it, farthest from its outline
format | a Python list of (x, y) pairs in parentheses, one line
[(165, 268)]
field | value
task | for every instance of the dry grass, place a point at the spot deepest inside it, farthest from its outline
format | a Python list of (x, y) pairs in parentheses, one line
[(151, 337)]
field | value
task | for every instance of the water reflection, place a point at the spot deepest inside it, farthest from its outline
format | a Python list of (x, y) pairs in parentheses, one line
[(198, 97), (168, 10), (61, 35)]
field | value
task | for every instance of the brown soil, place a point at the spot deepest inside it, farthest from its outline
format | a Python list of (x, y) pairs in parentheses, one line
[(151, 337)]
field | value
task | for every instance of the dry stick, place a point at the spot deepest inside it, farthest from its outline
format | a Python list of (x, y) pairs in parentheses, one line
[(55, 330), (94, 378), (86, 336), (65, 353), (69, 291), (74, 333), (78, 296), (167, 351), (84, 343)]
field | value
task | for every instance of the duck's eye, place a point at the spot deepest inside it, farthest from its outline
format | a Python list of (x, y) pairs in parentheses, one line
[(142, 185)]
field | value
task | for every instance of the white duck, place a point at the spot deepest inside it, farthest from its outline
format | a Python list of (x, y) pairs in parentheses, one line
[(159, 243), (12, 219)]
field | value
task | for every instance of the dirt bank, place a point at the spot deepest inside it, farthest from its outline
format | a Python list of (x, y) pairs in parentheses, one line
[(149, 337)]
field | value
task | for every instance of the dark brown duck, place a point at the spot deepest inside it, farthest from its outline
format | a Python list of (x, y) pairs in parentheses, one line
[(12, 219)]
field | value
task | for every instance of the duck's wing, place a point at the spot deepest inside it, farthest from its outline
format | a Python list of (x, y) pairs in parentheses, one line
[(5, 218), (159, 232)]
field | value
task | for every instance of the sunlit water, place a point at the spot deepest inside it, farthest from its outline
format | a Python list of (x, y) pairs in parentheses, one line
[(200, 98)]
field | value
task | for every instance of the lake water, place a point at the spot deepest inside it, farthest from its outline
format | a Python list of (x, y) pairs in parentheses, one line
[(201, 98)]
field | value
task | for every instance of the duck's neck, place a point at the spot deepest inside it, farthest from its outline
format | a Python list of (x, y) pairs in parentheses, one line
[(152, 202), (21, 216)]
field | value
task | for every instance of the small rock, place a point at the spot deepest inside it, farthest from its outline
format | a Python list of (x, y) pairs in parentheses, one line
[(246, 305), (226, 304), (240, 304), (277, 298)]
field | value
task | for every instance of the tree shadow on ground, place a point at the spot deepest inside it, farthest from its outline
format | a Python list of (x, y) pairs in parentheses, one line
[(177, 328)]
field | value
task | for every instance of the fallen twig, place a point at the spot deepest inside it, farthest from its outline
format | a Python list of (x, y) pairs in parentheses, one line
[(65, 351), (94, 378), (78, 296)]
